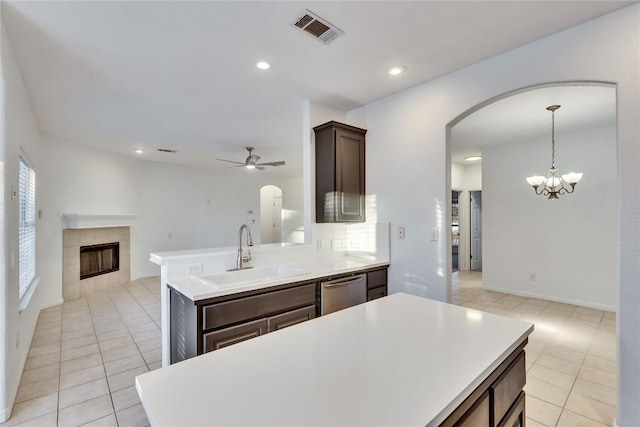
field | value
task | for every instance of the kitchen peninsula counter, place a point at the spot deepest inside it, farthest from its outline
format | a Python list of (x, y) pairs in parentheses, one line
[(399, 360)]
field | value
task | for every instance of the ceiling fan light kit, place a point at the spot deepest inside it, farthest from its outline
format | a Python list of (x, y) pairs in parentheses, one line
[(552, 184), (251, 162)]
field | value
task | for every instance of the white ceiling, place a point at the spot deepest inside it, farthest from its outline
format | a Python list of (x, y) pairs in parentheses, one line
[(523, 117), (181, 75)]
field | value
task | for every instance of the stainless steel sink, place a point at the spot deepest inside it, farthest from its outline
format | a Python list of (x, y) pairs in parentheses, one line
[(230, 279)]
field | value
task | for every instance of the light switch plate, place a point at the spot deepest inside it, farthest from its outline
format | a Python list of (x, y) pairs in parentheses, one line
[(401, 232)]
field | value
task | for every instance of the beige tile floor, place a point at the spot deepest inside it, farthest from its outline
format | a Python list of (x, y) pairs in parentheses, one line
[(571, 355), (86, 353), (84, 357)]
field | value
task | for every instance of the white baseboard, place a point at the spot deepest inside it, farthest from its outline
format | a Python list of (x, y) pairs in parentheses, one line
[(52, 303), (552, 298), (5, 413)]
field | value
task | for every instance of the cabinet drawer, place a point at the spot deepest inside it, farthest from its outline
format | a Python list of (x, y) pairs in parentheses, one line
[(254, 307), (376, 278), (376, 293), (478, 415), (234, 335), (507, 387), (516, 415), (291, 318)]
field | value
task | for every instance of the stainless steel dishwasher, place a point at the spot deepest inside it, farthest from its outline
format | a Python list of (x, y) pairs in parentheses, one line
[(342, 293)]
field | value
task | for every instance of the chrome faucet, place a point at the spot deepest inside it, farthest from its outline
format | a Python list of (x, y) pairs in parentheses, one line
[(241, 257)]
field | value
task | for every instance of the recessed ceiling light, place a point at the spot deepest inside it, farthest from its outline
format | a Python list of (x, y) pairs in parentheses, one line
[(139, 151), (473, 158), (263, 65), (397, 70)]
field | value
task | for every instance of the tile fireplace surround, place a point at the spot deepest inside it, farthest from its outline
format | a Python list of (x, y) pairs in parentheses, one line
[(72, 239)]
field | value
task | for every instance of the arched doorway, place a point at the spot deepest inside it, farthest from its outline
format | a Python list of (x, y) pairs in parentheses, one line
[(530, 242), (270, 214)]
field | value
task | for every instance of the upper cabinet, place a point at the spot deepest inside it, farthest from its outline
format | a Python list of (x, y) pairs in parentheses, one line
[(340, 191)]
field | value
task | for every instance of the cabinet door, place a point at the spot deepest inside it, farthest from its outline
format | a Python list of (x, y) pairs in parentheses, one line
[(257, 306), (291, 318), (235, 334), (478, 415), (350, 176), (508, 386), (376, 293), (516, 415), (377, 278)]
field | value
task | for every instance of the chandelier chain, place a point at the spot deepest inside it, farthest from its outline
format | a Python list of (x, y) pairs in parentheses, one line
[(553, 139)]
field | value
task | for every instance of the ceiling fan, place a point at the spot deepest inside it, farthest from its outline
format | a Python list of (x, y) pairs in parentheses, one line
[(251, 162)]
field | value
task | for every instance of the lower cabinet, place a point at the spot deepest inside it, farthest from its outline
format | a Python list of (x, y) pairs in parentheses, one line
[(207, 325), (290, 318), (479, 415), (233, 335), (203, 326), (376, 284), (499, 400), (515, 417)]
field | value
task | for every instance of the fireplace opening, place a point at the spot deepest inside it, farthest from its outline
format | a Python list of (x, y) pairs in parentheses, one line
[(99, 259)]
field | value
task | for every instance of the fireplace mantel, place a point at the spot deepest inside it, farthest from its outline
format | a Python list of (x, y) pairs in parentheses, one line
[(98, 221)]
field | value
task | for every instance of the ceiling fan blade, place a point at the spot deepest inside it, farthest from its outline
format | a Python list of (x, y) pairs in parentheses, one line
[(280, 163), (237, 166), (260, 168), (231, 161)]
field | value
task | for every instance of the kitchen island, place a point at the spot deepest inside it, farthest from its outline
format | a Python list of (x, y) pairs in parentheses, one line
[(399, 360)]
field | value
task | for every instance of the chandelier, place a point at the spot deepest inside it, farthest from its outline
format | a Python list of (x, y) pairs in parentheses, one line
[(553, 184)]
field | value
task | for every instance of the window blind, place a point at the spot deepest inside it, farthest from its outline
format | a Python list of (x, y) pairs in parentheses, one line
[(27, 225)]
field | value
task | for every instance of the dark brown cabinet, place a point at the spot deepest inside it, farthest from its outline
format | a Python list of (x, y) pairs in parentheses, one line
[(340, 173), (376, 284), (207, 325), (290, 318), (203, 326), (499, 400), (233, 335)]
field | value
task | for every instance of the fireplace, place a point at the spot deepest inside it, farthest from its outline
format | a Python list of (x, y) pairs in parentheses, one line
[(99, 259), (95, 259)]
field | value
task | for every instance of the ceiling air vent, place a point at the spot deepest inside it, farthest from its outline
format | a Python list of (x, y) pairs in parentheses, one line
[(318, 28), (167, 150)]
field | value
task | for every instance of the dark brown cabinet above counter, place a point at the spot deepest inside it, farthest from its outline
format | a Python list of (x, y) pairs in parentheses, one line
[(340, 173)]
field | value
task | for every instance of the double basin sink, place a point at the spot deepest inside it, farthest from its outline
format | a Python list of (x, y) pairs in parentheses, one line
[(245, 277)]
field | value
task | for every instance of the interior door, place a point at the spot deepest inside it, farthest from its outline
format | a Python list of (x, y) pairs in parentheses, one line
[(476, 230), (276, 217)]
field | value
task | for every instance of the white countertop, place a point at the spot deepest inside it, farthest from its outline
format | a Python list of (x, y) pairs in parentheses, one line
[(399, 360), (314, 268)]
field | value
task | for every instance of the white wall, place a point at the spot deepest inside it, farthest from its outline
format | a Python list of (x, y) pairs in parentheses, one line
[(180, 207), (411, 183), (570, 245), (466, 177), (20, 131)]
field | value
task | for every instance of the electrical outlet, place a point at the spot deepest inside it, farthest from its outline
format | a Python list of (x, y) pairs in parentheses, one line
[(401, 232), (194, 268), (319, 244)]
